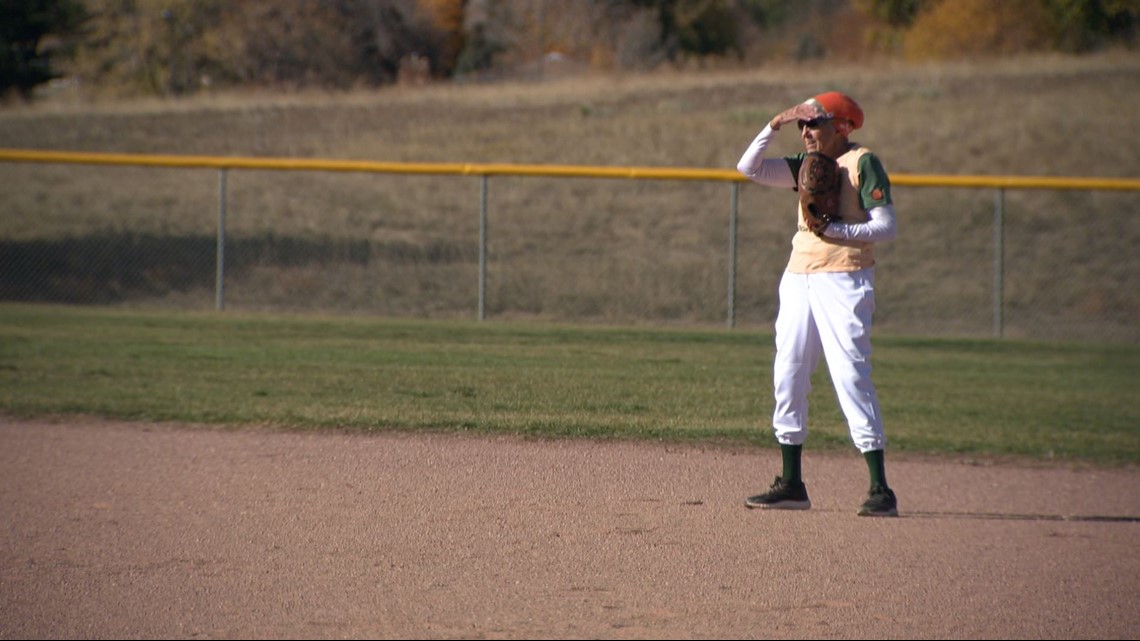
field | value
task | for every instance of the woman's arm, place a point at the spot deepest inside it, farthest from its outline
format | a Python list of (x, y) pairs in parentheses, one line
[(773, 172), (880, 227)]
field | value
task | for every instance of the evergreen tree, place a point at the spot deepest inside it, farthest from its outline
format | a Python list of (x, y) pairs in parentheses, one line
[(33, 33)]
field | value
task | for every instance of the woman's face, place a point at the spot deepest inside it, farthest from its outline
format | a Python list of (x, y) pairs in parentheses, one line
[(820, 135)]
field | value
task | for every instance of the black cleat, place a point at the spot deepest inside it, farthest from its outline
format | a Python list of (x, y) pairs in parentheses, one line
[(781, 496)]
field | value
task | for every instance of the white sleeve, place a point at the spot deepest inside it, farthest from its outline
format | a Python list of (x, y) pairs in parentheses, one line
[(880, 227), (773, 172)]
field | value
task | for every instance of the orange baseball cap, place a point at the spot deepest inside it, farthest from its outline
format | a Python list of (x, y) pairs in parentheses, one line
[(839, 106)]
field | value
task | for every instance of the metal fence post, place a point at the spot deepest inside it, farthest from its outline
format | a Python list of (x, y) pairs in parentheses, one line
[(733, 200), (220, 266), (483, 247), (999, 266)]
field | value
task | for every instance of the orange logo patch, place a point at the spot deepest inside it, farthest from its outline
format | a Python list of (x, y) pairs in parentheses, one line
[(877, 194)]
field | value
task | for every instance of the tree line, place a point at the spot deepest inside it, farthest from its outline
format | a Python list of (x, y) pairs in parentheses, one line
[(181, 47)]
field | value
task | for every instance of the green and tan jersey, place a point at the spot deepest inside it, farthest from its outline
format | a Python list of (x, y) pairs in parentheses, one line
[(864, 184)]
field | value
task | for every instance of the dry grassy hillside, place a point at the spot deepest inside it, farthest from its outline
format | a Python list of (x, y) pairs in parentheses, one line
[(608, 250)]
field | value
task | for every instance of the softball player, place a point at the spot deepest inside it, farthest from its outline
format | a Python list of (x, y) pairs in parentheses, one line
[(827, 296)]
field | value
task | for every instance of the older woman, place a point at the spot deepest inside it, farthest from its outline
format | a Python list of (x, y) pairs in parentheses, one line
[(827, 295)]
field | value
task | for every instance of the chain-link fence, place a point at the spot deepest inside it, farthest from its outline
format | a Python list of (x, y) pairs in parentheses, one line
[(1050, 264)]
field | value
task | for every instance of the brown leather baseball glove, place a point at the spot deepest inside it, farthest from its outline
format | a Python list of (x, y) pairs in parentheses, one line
[(818, 185)]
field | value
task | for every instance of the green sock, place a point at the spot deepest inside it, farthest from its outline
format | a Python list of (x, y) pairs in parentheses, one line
[(877, 466), (791, 454)]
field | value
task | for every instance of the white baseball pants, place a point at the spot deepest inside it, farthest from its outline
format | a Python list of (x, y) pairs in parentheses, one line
[(826, 314)]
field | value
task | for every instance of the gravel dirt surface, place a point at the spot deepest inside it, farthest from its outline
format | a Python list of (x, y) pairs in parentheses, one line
[(126, 530)]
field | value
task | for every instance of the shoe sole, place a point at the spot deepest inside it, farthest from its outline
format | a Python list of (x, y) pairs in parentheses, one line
[(782, 505), (884, 513)]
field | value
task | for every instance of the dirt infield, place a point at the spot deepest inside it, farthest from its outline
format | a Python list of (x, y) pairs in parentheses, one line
[(116, 530)]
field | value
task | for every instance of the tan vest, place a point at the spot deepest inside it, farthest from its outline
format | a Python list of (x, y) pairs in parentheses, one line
[(810, 253)]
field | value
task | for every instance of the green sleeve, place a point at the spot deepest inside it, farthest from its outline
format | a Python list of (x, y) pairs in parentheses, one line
[(794, 163), (874, 184)]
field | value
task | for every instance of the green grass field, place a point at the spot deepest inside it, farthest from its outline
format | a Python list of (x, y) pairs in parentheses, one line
[(975, 398)]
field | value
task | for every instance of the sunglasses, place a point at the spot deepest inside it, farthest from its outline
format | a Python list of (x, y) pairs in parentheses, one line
[(814, 123)]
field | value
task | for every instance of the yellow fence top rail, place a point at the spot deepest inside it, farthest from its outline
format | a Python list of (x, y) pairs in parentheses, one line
[(507, 169)]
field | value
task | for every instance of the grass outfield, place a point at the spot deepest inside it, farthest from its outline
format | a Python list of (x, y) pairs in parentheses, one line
[(1037, 401)]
